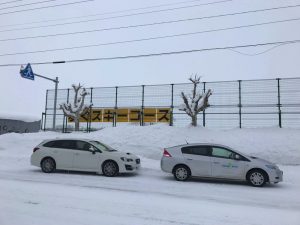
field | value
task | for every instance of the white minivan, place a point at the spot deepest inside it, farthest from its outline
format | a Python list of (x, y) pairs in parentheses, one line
[(83, 155)]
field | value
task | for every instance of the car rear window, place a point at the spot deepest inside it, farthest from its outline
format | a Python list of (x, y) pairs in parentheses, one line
[(196, 150), (67, 144), (49, 144)]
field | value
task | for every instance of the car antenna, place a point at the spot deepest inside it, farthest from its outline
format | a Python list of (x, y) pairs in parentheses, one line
[(186, 141)]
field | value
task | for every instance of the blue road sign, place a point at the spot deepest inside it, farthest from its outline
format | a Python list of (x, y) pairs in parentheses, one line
[(27, 72)]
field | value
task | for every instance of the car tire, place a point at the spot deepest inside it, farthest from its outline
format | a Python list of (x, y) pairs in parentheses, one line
[(181, 173), (48, 165), (110, 169), (257, 178)]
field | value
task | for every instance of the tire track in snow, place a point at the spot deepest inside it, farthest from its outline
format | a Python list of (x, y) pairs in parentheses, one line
[(203, 197)]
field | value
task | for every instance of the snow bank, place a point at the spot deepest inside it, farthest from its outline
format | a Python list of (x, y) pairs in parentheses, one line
[(281, 146)]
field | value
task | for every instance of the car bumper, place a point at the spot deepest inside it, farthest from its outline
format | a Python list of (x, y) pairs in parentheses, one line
[(166, 164), (129, 167), (276, 176), (34, 160)]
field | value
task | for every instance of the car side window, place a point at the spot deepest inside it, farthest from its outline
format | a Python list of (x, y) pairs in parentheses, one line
[(222, 153), (196, 150), (101, 147), (84, 146), (66, 144)]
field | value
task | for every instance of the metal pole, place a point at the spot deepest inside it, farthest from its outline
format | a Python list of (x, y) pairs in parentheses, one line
[(55, 102), (116, 106), (66, 118), (46, 110), (142, 112), (42, 121), (203, 117), (172, 104), (91, 109), (240, 104), (279, 102)]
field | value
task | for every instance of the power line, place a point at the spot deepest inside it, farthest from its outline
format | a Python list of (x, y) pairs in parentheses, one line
[(115, 17), (148, 24), (3, 3), (45, 7), (105, 13), (259, 53), (149, 38), (159, 54), (27, 4)]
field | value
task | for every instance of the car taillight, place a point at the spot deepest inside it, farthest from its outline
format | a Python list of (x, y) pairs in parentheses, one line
[(166, 153), (35, 149)]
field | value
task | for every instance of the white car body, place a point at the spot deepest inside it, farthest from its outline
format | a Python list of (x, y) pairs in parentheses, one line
[(89, 159), (234, 167)]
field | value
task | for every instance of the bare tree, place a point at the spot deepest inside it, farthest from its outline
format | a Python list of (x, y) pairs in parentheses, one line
[(195, 103), (78, 107)]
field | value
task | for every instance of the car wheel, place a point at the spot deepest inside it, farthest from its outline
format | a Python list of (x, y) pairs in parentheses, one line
[(182, 173), (48, 165), (110, 169), (257, 178)]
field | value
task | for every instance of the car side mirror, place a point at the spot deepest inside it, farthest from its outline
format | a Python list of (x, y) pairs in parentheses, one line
[(92, 150), (237, 157)]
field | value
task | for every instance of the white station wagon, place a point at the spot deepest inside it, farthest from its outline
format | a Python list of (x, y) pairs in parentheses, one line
[(218, 161), (82, 155)]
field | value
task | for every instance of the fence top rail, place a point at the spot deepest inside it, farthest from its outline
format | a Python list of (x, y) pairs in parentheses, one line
[(209, 82)]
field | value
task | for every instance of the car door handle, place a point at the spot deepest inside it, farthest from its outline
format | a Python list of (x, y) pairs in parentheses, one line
[(216, 162), (76, 153), (55, 151), (189, 159)]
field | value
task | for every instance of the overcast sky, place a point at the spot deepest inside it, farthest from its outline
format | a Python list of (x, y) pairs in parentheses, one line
[(28, 97)]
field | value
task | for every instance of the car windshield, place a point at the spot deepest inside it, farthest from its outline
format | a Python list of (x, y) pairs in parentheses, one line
[(103, 147)]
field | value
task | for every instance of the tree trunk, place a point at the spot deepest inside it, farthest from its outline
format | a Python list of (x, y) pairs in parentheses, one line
[(194, 121), (76, 121)]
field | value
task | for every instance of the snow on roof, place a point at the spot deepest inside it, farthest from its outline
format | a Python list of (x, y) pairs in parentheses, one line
[(18, 116)]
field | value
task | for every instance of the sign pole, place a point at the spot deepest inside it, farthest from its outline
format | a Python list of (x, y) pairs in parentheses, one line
[(27, 73)]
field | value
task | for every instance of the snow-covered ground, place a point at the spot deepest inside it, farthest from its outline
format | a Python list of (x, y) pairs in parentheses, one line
[(29, 196)]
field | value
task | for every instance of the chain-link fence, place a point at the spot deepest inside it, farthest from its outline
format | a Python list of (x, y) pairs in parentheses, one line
[(234, 104)]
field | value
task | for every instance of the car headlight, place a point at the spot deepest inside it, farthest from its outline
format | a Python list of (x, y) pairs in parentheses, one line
[(126, 159), (272, 167)]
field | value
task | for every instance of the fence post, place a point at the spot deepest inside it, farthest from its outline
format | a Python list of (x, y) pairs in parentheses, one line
[(279, 102), (46, 110), (240, 103), (42, 121), (91, 109), (90, 112), (142, 111), (116, 106), (65, 129), (203, 113), (65, 119), (172, 105)]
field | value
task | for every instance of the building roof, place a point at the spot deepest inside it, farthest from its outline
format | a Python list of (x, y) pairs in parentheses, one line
[(18, 116)]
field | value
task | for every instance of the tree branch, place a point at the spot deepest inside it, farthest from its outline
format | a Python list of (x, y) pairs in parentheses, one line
[(187, 106)]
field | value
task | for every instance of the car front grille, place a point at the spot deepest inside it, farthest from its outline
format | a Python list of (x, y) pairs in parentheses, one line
[(138, 161)]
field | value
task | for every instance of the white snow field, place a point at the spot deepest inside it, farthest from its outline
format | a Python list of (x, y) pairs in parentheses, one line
[(29, 197)]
